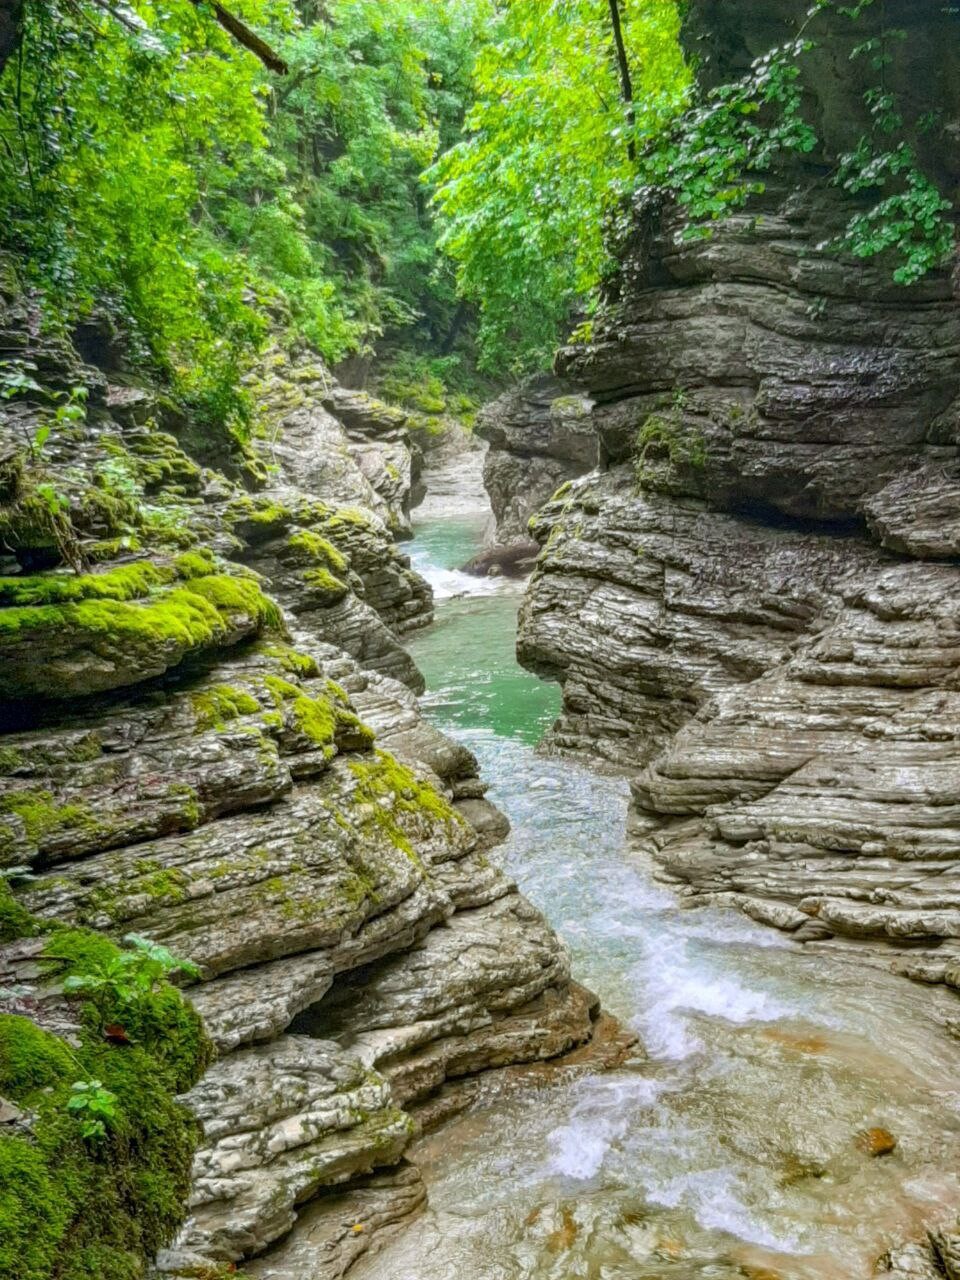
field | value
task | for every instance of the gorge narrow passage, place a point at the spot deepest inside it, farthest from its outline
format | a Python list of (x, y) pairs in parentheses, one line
[(738, 1146)]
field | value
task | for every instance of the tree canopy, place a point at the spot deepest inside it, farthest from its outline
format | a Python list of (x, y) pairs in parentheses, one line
[(416, 164)]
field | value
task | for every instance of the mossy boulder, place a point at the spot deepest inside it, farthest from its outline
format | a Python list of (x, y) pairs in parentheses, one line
[(68, 636)]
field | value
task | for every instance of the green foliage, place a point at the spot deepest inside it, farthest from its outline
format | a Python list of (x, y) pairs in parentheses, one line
[(128, 978), (527, 198), (153, 170), (524, 197), (715, 158), (113, 127), (94, 1106), (431, 385), (332, 214)]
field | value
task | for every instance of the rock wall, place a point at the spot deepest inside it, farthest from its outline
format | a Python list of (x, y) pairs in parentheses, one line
[(211, 740), (540, 437), (752, 603)]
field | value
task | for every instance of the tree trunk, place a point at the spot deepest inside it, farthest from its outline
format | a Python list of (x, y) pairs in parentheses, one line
[(453, 333), (626, 83), (11, 29)]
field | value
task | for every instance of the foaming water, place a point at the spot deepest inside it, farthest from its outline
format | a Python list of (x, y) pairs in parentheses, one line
[(730, 1149)]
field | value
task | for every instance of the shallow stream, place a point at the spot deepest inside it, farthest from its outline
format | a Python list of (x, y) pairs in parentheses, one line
[(735, 1146)]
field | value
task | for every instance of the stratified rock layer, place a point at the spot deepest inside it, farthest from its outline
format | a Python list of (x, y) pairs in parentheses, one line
[(752, 604), (212, 741)]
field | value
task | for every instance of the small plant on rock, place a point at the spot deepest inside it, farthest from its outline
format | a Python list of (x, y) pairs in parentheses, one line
[(128, 978), (94, 1106)]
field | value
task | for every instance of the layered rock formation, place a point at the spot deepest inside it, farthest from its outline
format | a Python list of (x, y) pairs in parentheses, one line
[(540, 437), (212, 741), (752, 603)]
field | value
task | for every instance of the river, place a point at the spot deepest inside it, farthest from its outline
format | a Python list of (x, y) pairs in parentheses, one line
[(732, 1147)]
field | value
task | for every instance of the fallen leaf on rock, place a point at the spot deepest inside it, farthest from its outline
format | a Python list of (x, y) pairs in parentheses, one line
[(876, 1142)]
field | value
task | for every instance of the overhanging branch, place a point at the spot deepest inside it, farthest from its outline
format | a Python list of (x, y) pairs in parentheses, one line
[(249, 39)]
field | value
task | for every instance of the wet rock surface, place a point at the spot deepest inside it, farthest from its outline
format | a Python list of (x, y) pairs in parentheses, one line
[(540, 437), (750, 603)]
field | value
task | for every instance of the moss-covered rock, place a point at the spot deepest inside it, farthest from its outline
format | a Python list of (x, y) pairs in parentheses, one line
[(102, 631), (87, 1206)]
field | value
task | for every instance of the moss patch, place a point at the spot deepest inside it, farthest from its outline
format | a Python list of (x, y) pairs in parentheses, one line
[(325, 720), (311, 546), (298, 664), (127, 582), (75, 1208), (215, 706), (390, 790), (38, 815), (92, 645)]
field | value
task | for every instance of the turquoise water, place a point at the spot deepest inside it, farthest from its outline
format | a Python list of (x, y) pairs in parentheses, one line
[(468, 655), (728, 1150)]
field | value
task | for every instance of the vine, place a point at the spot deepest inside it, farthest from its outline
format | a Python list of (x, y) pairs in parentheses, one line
[(715, 156)]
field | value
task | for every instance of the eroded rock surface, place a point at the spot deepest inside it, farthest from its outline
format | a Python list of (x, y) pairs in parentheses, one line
[(211, 740), (751, 604), (540, 437)]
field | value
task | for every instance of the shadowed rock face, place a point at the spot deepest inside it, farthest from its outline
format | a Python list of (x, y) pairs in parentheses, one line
[(752, 603), (540, 437), (758, 369)]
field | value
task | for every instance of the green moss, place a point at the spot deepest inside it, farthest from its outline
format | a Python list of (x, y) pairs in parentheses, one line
[(352, 517), (313, 717), (40, 816), (663, 436), (97, 1209), (195, 564), (79, 750), (311, 546), (103, 511), (258, 517), (323, 582), (336, 691), (163, 885), (111, 548), (15, 922), (390, 790), (325, 721), (238, 595), (126, 582), (26, 523), (162, 464), (298, 664), (190, 616), (215, 706)]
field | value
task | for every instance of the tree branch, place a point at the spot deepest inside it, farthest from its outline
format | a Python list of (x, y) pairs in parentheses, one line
[(249, 39), (626, 83)]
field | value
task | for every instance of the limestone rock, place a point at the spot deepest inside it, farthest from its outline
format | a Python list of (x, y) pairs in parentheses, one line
[(337, 1227), (541, 436), (281, 1121)]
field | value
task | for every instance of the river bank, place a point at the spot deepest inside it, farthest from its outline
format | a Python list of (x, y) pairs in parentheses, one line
[(743, 1140)]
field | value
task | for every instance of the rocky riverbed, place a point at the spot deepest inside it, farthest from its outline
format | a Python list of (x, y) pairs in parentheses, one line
[(752, 1131)]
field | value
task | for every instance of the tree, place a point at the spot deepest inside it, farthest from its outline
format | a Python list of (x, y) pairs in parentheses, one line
[(549, 154)]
